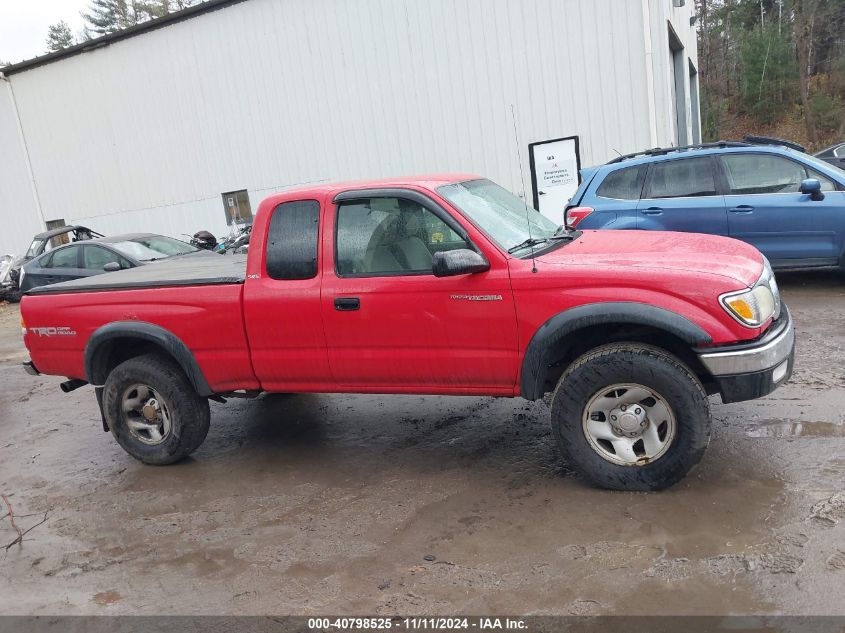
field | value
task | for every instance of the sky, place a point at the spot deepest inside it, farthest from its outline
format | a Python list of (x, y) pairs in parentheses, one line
[(23, 25)]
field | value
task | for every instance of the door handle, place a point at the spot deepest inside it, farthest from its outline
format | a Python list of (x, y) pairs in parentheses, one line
[(541, 193), (347, 304), (652, 211), (743, 208)]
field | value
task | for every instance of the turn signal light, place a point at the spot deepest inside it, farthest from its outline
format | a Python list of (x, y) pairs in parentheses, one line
[(576, 214), (741, 307)]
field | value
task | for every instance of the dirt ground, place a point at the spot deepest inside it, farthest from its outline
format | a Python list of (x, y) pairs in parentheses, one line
[(318, 504)]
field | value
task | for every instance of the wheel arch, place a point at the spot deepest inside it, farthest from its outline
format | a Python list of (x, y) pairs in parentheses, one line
[(570, 333), (116, 342)]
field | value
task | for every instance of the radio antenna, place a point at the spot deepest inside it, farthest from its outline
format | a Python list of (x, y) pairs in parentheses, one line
[(522, 179)]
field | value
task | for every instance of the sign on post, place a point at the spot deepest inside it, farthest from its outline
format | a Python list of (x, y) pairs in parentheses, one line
[(554, 175)]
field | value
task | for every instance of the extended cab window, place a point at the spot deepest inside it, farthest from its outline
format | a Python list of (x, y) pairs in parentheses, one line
[(384, 236), (292, 240), (683, 178), (750, 174), (623, 184)]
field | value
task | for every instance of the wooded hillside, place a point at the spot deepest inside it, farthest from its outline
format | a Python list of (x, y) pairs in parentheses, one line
[(773, 67)]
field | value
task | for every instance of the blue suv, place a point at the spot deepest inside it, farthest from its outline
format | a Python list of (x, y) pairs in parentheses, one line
[(789, 205)]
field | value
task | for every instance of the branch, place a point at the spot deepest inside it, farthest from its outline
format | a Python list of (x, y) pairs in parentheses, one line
[(19, 540), (11, 515)]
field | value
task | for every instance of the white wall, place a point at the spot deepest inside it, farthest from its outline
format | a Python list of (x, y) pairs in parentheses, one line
[(19, 219), (145, 134), (660, 13)]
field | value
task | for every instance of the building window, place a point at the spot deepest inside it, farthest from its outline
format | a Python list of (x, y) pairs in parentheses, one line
[(236, 206)]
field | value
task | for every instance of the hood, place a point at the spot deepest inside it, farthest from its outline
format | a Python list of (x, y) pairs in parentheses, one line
[(662, 250)]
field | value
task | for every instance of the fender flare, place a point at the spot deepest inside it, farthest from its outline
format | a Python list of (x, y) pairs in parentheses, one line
[(535, 363), (169, 343)]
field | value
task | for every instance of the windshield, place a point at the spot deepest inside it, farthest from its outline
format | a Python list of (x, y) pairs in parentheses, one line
[(153, 247), (34, 248), (504, 217)]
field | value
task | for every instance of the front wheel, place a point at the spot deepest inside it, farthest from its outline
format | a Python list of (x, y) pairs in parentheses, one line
[(153, 411), (631, 417)]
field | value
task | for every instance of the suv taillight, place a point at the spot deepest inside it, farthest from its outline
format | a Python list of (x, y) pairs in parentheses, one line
[(576, 214)]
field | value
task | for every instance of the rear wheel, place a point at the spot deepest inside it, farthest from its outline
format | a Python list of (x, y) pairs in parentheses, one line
[(631, 417), (153, 411)]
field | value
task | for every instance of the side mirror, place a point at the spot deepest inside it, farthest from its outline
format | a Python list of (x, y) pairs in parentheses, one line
[(461, 261), (111, 267), (813, 188)]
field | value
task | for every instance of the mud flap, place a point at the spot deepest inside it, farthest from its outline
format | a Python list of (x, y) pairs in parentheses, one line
[(98, 391)]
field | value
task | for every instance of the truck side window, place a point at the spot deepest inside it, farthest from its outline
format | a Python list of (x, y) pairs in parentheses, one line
[(389, 236), (292, 240)]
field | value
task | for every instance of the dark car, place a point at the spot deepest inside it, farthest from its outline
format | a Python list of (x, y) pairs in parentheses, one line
[(106, 254), (41, 243), (835, 155)]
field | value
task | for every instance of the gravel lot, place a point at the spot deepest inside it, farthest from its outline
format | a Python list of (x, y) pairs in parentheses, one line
[(318, 504)]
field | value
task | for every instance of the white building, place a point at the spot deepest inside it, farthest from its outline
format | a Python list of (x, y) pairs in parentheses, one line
[(159, 127)]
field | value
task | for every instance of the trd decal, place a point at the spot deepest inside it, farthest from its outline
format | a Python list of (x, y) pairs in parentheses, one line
[(52, 331)]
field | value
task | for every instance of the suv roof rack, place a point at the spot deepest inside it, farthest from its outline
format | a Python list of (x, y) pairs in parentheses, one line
[(768, 140), (662, 151), (748, 141)]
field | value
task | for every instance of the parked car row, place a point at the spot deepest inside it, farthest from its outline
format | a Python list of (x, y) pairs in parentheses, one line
[(106, 254), (441, 285), (85, 253), (451, 285), (789, 205)]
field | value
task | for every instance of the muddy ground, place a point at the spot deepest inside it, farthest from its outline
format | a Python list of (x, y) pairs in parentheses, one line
[(331, 503)]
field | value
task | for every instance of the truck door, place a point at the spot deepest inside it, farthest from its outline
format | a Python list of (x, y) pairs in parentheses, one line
[(391, 325), (282, 303)]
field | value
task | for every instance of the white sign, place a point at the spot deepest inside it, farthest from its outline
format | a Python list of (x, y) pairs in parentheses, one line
[(554, 173)]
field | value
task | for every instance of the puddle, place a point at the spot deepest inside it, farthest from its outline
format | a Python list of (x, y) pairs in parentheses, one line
[(778, 428)]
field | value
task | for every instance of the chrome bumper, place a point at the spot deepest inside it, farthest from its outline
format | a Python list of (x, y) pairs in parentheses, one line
[(772, 350)]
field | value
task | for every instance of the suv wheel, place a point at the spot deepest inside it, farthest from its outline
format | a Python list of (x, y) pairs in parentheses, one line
[(631, 417), (153, 411)]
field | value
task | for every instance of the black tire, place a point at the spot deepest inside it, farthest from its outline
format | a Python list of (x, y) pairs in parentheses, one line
[(13, 296), (650, 367), (188, 413)]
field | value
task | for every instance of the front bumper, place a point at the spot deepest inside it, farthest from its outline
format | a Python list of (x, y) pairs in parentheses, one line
[(745, 371)]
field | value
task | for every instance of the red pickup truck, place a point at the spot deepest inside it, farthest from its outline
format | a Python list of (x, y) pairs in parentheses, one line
[(431, 285)]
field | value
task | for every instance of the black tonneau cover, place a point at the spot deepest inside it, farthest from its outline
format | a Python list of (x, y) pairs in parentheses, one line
[(184, 271)]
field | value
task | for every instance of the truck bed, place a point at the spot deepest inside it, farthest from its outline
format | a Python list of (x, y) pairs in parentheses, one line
[(185, 271)]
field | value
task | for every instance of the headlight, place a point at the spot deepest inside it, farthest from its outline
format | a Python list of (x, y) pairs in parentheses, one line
[(754, 307)]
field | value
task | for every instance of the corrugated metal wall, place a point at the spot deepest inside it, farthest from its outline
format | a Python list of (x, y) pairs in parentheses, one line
[(146, 133)]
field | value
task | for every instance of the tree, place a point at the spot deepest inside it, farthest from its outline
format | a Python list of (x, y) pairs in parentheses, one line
[(775, 64), (59, 37), (108, 16)]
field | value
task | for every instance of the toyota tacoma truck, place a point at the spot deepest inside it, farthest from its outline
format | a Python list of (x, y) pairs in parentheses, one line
[(446, 285)]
